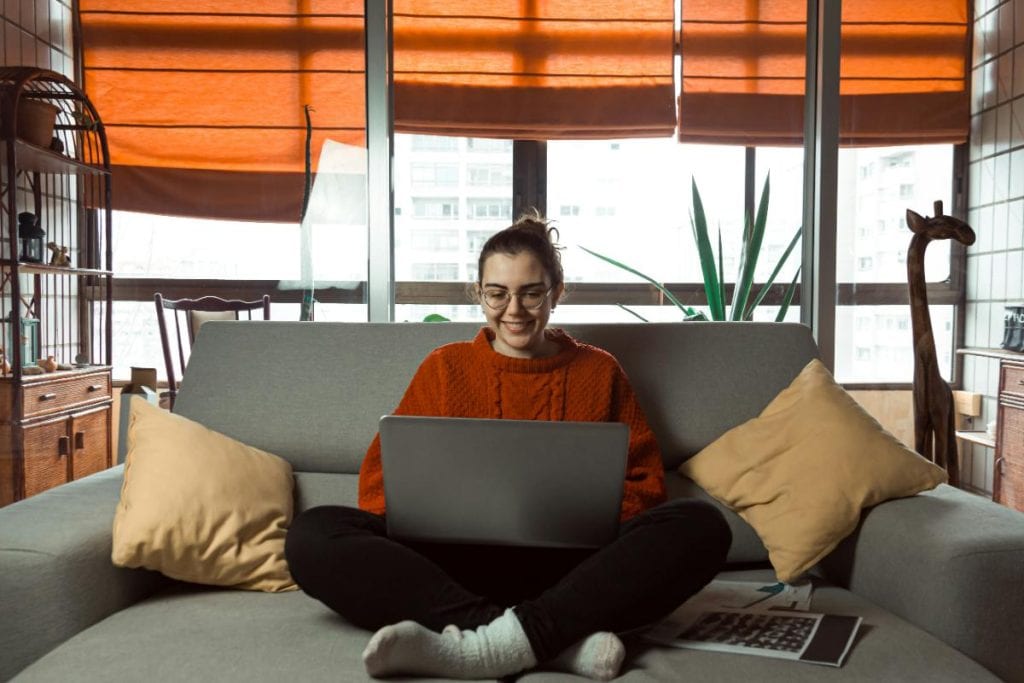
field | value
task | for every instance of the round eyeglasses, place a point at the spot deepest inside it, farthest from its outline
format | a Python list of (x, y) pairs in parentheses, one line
[(499, 299)]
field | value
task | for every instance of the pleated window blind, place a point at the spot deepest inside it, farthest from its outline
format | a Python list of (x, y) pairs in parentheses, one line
[(534, 70), (203, 101), (903, 71)]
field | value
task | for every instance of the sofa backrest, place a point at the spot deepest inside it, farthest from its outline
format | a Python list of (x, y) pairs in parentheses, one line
[(313, 392)]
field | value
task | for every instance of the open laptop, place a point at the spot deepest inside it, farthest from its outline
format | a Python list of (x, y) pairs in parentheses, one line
[(503, 482)]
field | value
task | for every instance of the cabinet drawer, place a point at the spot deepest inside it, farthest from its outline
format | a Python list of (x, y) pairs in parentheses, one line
[(1012, 381), (50, 397)]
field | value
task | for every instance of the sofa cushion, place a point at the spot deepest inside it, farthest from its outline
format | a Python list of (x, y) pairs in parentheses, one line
[(803, 470), (195, 633), (199, 506)]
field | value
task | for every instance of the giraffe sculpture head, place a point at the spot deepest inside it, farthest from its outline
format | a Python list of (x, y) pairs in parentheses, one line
[(940, 227)]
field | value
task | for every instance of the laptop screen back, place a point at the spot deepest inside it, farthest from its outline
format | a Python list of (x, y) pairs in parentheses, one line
[(503, 482)]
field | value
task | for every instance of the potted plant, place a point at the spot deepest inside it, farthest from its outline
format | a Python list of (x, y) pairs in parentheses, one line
[(743, 303)]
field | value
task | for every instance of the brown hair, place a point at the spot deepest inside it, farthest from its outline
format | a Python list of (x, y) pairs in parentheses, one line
[(529, 233)]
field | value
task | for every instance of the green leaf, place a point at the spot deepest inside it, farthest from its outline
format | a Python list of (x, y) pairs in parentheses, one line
[(775, 273), (629, 310), (787, 299), (661, 288), (751, 248), (436, 318), (699, 223), (721, 269)]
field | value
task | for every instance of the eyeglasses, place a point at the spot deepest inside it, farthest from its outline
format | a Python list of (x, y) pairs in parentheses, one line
[(499, 299)]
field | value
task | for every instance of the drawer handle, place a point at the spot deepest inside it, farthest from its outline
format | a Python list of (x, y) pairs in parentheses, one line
[(63, 446), (94, 387), (47, 397), (79, 440)]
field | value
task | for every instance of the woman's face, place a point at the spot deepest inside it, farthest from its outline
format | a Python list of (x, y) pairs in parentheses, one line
[(518, 330)]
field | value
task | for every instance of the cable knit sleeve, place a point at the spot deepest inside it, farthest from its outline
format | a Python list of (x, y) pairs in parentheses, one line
[(425, 395), (645, 472)]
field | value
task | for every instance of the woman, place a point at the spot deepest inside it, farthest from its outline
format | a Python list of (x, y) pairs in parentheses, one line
[(467, 611)]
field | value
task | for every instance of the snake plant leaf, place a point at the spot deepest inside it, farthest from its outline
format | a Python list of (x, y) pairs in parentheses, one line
[(752, 240), (787, 299), (661, 288), (633, 313), (721, 271), (771, 279), (699, 223)]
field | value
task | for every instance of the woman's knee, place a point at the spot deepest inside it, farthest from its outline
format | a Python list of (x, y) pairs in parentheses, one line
[(311, 531), (699, 523)]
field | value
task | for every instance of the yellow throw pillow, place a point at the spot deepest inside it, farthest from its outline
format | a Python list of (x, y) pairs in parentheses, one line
[(199, 506), (801, 472)]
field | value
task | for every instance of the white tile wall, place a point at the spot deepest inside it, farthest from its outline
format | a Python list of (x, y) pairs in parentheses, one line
[(995, 263), (37, 33)]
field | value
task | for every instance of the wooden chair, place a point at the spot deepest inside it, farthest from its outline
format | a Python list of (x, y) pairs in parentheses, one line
[(189, 315)]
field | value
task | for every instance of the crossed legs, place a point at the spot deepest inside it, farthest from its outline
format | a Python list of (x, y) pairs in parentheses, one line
[(442, 610)]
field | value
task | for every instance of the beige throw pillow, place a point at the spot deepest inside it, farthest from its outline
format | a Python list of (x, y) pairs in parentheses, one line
[(801, 472), (199, 506)]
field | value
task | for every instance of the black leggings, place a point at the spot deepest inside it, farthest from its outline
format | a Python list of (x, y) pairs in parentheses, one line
[(343, 557)]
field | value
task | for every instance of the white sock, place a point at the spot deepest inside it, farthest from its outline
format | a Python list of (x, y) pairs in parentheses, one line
[(598, 656), (497, 649)]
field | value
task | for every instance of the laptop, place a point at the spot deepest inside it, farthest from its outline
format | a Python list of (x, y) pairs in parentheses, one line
[(503, 482)]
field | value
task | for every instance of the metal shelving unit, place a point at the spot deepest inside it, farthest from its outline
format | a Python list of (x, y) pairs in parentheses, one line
[(46, 308)]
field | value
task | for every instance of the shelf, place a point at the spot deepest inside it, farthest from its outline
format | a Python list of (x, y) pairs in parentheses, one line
[(33, 158), (46, 269), (59, 374), (991, 353), (977, 436)]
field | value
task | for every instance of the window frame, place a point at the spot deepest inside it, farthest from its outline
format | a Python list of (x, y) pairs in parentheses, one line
[(529, 190)]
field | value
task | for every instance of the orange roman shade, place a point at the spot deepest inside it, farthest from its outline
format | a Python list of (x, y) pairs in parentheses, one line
[(534, 70), (903, 72), (203, 101)]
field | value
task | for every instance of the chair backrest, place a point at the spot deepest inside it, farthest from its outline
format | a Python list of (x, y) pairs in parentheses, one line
[(188, 316)]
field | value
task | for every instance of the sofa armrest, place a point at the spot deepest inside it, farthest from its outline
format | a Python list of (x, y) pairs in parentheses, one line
[(56, 577), (948, 561)]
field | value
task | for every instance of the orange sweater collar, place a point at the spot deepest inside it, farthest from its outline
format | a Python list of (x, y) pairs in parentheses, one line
[(569, 348)]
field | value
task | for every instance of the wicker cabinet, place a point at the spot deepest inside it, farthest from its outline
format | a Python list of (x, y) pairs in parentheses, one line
[(1008, 477), (55, 301)]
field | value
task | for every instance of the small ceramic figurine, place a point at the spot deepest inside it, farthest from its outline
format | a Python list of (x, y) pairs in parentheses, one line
[(49, 364), (60, 254)]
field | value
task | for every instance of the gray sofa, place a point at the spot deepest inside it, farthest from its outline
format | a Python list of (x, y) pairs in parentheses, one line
[(936, 577)]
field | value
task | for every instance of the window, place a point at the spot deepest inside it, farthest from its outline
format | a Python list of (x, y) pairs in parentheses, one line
[(435, 271), (435, 240), (476, 240), (490, 208), (569, 210), (489, 175), (434, 174), (865, 263), (433, 143), (604, 211), (448, 224), (901, 160), (489, 145), (906, 190), (430, 207)]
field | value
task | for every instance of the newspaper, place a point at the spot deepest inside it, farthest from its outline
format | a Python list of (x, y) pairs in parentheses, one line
[(767, 620)]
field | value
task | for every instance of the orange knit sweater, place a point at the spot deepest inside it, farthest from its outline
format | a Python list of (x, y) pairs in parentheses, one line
[(581, 383)]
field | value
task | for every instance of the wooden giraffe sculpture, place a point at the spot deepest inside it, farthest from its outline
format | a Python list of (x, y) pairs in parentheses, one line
[(934, 422)]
